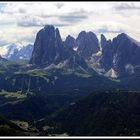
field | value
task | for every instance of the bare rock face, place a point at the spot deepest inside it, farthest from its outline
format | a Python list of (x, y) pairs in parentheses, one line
[(103, 41), (70, 42), (121, 54), (88, 44), (48, 47)]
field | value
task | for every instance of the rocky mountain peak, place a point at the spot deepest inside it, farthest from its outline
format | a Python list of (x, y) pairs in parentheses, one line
[(103, 41), (70, 42), (46, 46), (88, 44), (122, 54), (49, 27)]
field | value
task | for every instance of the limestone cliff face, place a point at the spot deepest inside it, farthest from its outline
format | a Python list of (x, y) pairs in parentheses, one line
[(88, 44), (48, 46), (50, 49), (121, 54)]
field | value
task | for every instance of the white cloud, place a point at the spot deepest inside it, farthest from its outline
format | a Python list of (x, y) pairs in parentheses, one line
[(21, 21), (12, 35)]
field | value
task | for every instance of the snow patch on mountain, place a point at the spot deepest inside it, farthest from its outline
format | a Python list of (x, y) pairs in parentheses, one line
[(75, 48), (16, 51), (111, 73)]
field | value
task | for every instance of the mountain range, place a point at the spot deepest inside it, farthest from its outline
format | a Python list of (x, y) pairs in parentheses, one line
[(16, 51), (114, 58), (74, 61)]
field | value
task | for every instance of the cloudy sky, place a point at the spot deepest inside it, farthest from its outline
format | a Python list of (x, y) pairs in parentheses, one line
[(19, 22)]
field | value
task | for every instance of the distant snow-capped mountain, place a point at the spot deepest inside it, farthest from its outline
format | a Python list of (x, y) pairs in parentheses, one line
[(16, 51)]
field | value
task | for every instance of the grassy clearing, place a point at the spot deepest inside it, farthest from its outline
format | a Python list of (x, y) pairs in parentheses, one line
[(83, 75), (17, 95)]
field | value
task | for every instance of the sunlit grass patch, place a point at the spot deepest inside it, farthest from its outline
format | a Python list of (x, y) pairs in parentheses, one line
[(17, 94)]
